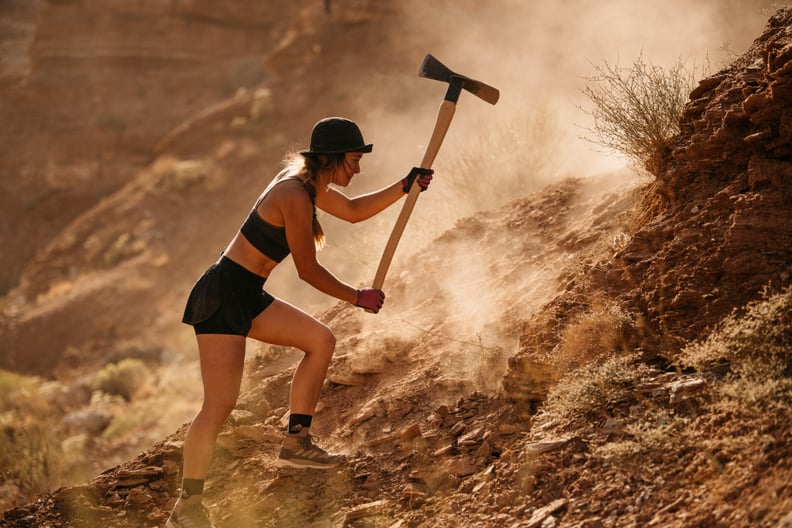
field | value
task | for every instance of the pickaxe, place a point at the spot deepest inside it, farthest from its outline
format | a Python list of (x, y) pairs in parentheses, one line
[(432, 69)]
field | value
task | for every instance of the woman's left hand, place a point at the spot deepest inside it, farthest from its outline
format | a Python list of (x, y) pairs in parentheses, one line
[(423, 176), (370, 298)]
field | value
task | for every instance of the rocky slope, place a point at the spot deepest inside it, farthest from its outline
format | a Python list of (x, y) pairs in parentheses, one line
[(77, 100), (543, 375), (713, 230), (239, 120)]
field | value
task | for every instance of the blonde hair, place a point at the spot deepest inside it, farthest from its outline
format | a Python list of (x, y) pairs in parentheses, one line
[(307, 168)]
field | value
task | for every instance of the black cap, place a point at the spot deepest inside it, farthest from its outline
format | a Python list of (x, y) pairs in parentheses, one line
[(336, 135)]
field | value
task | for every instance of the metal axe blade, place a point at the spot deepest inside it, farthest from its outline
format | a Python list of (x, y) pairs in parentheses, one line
[(436, 70)]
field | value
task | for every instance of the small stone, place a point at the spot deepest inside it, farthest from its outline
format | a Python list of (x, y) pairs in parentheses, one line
[(457, 429), (138, 496), (365, 510), (414, 431)]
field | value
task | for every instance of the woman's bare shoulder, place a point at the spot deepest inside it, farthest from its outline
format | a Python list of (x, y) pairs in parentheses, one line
[(291, 190)]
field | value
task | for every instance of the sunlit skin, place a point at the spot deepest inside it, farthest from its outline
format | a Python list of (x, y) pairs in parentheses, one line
[(222, 356)]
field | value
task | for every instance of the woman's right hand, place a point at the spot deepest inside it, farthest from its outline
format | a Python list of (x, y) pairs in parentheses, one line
[(424, 177), (370, 298)]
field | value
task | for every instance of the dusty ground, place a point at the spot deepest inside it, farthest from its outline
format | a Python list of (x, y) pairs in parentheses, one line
[(562, 396)]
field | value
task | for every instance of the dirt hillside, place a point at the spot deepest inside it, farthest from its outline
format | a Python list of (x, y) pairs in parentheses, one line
[(77, 99), (220, 136), (590, 355)]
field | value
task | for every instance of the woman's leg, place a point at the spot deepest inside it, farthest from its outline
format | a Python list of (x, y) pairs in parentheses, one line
[(286, 325), (283, 324), (222, 362)]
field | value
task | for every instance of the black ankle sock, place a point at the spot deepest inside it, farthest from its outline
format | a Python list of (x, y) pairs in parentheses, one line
[(298, 422), (192, 487)]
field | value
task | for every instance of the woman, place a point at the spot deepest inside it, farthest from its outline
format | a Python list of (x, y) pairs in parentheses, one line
[(228, 304)]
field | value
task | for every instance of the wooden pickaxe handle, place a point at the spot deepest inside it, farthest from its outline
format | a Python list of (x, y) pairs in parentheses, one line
[(444, 117)]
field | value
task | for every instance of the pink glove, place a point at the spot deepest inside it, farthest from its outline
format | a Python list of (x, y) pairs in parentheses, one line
[(370, 298), (424, 177)]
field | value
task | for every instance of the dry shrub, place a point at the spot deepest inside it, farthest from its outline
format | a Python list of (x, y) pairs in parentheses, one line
[(592, 389), (599, 331), (637, 108), (29, 452), (135, 417), (655, 430), (754, 351), (171, 175), (14, 387), (125, 246), (123, 379)]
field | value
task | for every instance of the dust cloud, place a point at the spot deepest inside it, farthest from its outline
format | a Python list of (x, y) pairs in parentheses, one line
[(538, 54)]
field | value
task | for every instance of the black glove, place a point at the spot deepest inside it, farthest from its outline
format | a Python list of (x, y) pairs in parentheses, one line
[(424, 177)]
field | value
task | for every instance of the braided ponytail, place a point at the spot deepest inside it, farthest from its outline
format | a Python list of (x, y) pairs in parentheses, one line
[(318, 233), (307, 168)]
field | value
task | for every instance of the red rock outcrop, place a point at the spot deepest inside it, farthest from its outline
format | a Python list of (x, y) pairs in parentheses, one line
[(716, 227)]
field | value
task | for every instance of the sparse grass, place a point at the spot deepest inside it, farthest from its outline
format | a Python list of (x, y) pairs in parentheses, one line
[(756, 351), (135, 417), (20, 395), (653, 431), (637, 108), (592, 389), (749, 358), (123, 378), (123, 247), (601, 330), (11, 384), (29, 452)]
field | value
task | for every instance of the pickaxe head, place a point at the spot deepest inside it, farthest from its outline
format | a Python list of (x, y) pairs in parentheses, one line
[(434, 69)]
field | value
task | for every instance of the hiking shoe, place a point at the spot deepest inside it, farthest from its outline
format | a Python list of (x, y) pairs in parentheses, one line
[(299, 451), (189, 516)]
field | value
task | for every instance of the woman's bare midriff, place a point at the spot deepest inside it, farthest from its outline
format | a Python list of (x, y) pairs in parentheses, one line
[(243, 253)]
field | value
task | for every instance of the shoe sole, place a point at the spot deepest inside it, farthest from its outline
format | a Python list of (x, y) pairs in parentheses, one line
[(307, 464)]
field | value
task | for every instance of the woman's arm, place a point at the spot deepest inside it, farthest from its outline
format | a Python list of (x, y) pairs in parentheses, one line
[(297, 211), (360, 207), (367, 205)]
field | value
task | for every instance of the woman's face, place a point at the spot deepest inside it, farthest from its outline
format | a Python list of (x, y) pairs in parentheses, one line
[(348, 167)]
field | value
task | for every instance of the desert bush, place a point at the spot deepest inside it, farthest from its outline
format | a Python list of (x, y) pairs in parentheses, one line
[(636, 109), (170, 175), (753, 351), (29, 452), (134, 418), (22, 395), (600, 330), (11, 386), (593, 388), (123, 247), (123, 378)]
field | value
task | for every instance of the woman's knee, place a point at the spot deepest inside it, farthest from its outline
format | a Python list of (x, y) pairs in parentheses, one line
[(329, 339), (217, 410), (323, 343)]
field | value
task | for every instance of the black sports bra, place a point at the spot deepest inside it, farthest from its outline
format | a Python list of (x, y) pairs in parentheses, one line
[(267, 238)]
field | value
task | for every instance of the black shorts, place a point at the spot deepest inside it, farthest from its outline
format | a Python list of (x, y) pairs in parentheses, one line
[(226, 299)]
